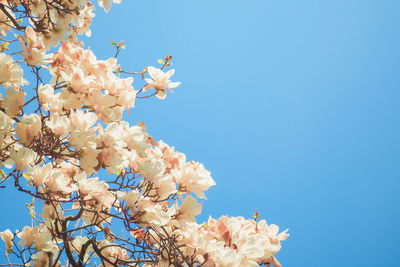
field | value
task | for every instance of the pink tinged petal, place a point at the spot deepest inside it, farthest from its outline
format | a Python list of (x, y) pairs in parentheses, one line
[(161, 94), (147, 87), (31, 34), (106, 4), (174, 84), (158, 74), (151, 71), (282, 236), (170, 73), (7, 237), (164, 81)]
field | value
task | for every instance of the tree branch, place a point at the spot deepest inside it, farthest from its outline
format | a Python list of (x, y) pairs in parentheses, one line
[(12, 19)]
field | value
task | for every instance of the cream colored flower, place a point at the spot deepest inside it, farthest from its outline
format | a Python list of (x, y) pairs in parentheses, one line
[(23, 157), (160, 81), (11, 74), (59, 125), (7, 237), (106, 4), (28, 235), (13, 101), (189, 209), (28, 128), (130, 197), (194, 178)]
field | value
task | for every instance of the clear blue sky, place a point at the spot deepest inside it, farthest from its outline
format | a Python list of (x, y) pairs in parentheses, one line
[(292, 105)]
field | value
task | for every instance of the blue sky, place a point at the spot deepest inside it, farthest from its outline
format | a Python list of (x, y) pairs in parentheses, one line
[(293, 107)]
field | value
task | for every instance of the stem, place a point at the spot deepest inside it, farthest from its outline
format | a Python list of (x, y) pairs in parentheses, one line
[(14, 22)]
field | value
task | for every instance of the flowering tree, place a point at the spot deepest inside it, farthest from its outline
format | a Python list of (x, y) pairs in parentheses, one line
[(63, 128)]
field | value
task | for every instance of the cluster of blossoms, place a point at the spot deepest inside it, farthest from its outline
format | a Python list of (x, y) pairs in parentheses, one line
[(64, 143), (232, 241)]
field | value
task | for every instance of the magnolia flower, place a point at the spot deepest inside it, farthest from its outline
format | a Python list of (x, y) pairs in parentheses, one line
[(227, 257), (80, 82), (130, 198), (39, 259), (194, 178), (13, 101), (88, 160), (273, 231), (152, 213), (83, 140), (93, 189), (273, 242), (37, 7), (251, 241), (106, 4), (45, 242), (59, 125), (55, 103), (137, 139), (81, 120), (109, 114), (83, 22), (11, 74), (6, 123), (151, 168), (228, 241), (39, 174), (51, 213), (160, 81), (175, 160), (113, 135), (113, 159), (127, 98), (115, 84), (7, 237), (22, 157), (29, 128), (189, 209), (59, 32), (58, 182), (165, 186), (45, 93), (35, 49), (99, 100), (28, 235), (71, 100), (6, 127)]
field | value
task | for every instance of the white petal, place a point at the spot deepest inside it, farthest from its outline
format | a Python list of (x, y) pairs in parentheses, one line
[(174, 84), (161, 94), (170, 73)]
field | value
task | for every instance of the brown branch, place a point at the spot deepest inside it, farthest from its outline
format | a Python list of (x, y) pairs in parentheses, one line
[(66, 243), (12, 19), (83, 252), (58, 257)]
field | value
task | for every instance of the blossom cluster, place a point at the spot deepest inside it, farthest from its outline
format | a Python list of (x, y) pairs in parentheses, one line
[(63, 141), (232, 241), (54, 21)]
